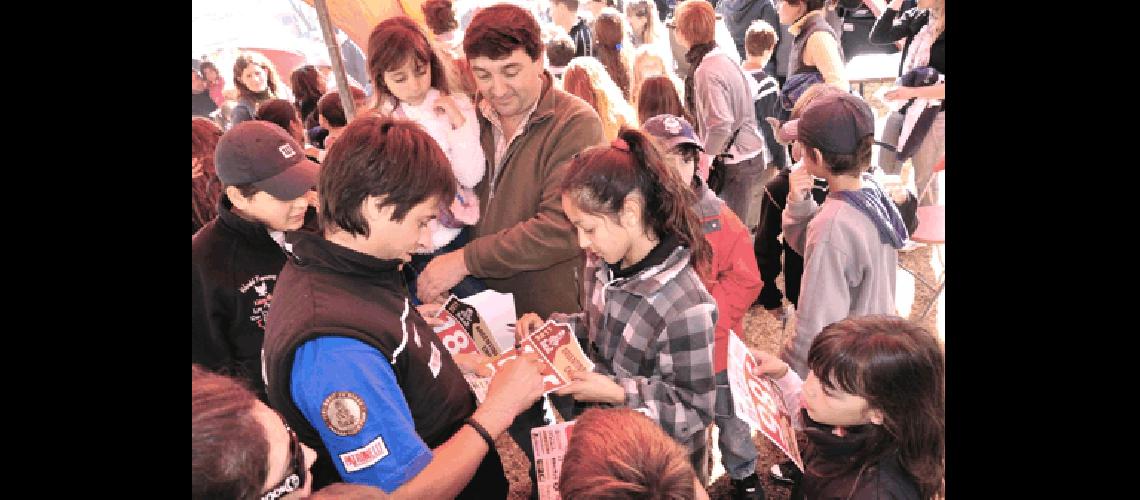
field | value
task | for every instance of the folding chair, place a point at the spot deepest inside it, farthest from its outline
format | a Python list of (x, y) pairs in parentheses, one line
[(931, 230)]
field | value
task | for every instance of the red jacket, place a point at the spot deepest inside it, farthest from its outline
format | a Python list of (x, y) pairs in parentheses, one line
[(736, 282)]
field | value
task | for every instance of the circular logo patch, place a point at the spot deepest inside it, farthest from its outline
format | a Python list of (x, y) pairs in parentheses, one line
[(344, 412)]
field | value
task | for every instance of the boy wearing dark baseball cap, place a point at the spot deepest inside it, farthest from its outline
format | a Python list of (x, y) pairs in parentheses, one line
[(734, 283), (850, 243), (236, 257)]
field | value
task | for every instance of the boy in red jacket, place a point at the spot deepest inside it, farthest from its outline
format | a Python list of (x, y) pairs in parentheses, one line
[(735, 285)]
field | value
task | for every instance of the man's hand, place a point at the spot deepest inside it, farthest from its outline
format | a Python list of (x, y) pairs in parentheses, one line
[(441, 274), (514, 388), (430, 312), (594, 387)]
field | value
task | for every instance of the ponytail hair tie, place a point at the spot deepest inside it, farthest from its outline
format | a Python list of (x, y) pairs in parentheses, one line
[(620, 145), (618, 46)]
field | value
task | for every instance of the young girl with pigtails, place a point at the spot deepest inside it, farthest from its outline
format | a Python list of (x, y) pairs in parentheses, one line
[(647, 322), (411, 82)]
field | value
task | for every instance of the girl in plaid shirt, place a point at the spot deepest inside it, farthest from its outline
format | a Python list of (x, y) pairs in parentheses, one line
[(647, 322)]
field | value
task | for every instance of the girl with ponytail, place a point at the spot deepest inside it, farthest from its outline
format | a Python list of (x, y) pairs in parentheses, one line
[(647, 322)]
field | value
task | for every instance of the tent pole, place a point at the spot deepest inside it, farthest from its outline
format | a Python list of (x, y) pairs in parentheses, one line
[(346, 100)]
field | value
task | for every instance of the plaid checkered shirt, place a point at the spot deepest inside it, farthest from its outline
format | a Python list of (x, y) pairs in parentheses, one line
[(652, 334)]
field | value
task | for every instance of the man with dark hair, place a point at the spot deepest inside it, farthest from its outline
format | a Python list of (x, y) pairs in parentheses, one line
[(564, 13), (353, 367), (523, 244), (850, 243), (236, 257)]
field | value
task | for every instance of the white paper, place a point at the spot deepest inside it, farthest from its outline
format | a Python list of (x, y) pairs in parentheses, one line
[(550, 443), (758, 401), (497, 310)]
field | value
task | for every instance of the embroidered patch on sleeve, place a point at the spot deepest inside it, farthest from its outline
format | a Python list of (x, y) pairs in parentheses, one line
[(344, 413), (436, 361), (364, 457)]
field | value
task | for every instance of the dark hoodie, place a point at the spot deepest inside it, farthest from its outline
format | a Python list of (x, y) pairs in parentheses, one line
[(873, 201)]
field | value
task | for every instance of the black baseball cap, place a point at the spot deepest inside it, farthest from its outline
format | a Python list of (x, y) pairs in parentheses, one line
[(833, 122), (263, 154)]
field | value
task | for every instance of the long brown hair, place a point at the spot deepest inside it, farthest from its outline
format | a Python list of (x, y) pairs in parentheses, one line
[(612, 48), (658, 96), (601, 177), (899, 368), (392, 42), (247, 59)]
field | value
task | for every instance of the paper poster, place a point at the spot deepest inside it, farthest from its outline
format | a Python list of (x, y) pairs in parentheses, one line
[(478, 385), (557, 348), (550, 444), (468, 318), (454, 334), (758, 401), (498, 313)]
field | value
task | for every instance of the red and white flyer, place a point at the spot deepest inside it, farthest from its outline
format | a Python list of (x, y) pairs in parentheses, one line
[(550, 444), (459, 316), (558, 348), (758, 401)]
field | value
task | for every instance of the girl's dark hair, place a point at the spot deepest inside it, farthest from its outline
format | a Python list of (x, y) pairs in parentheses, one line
[(611, 47), (247, 59), (658, 96), (600, 177), (308, 88), (392, 43), (899, 368), (230, 453), (279, 112), (383, 157), (496, 31), (208, 65), (439, 16)]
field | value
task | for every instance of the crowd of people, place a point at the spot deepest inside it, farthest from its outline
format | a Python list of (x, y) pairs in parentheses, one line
[(642, 171)]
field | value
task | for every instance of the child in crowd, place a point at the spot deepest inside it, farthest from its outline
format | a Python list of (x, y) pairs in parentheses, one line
[(214, 81), (559, 52), (236, 256), (850, 243), (585, 77), (411, 84), (759, 44), (619, 453), (873, 410), (331, 116), (773, 253), (648, 61), (284, 115), (648, 321), (734, 283)]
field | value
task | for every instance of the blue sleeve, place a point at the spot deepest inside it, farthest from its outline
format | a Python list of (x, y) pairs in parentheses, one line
[(348, 374)]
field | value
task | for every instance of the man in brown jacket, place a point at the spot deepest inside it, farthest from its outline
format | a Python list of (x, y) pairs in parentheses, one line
[(523, 243)]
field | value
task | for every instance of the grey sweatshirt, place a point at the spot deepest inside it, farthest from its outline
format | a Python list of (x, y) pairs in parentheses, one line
[(849, 268), (724, 103)]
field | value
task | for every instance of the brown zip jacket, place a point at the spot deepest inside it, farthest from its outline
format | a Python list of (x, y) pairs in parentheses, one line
[(523, 243)]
